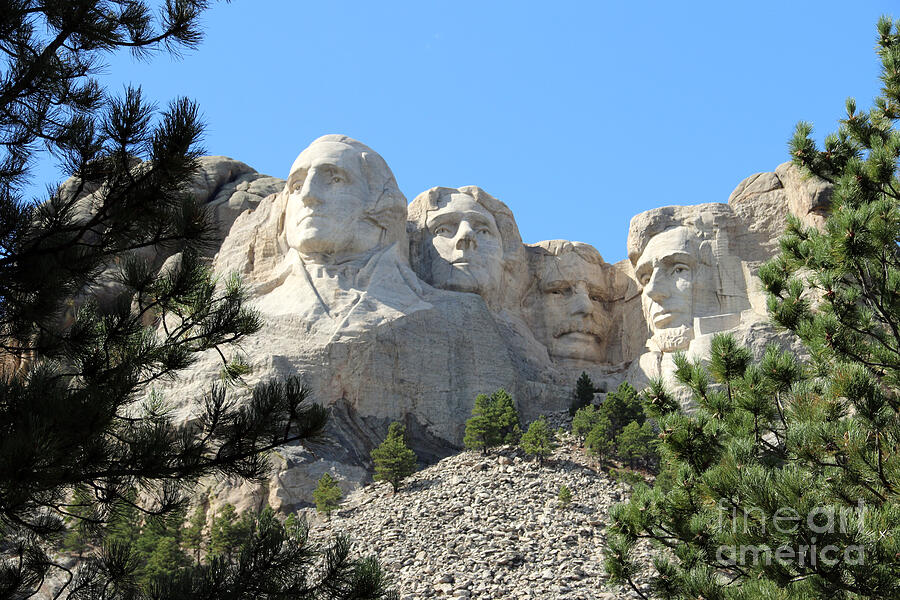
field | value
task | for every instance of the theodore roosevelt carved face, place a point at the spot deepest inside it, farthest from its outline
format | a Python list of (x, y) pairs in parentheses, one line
[(468, 250), (666, 271), (569, 315)]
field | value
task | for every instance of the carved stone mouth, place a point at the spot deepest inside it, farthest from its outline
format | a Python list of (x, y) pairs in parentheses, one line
[(661, 318), (583, 335)]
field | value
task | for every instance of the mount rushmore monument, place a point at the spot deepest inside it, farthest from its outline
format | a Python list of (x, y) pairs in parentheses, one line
[(397, 311)]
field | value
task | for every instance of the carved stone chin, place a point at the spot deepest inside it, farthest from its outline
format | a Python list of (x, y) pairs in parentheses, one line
[(670, 340)]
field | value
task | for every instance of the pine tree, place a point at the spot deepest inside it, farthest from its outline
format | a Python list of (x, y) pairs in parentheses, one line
[(228, 532), (327, 494), (506, 417), (82, 525), (584, 420), (776, 487), (479, 433), (193, 534), (74, 369), (164, 561), (538, 440), (635, 444), (494, 421), (583, 394), (393, 459), (621, 407), (123, 524), (599, 440), (327, 571), (564, 496)]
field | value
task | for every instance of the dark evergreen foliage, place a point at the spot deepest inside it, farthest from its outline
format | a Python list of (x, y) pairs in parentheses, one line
[(327, 494), (618, 428), (494, 421), (81, 437), (538, 440), (584, 420), (621, 407), (583, 394), (393, 459)]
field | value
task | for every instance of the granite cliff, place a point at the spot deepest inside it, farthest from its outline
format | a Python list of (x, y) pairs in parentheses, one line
[(396, 311)]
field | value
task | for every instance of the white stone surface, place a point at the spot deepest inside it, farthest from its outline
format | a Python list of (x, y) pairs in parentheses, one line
[(568, 302), (395, 312)]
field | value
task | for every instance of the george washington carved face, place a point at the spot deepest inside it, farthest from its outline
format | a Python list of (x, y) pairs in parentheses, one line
[(328, 195), (341, 200)]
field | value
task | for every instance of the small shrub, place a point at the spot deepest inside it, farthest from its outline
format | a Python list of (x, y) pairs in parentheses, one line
[(394, 461), (537, 441), (565, 495), (327, 494), (494, 421)]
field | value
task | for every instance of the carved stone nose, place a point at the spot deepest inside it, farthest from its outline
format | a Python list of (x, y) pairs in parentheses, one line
[(310, 191), (656, 288), (581, 303), (465, 237)]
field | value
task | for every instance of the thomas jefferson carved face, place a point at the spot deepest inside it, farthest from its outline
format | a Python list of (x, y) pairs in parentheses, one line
[(666, 270), (467, 248), (568, 312), (328, 195)]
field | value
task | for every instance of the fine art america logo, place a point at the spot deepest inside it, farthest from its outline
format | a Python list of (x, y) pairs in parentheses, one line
[(814, 536)]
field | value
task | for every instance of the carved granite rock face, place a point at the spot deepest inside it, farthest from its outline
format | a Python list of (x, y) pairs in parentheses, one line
[(331, 246), (466, 240), (696, 267), (341, 201), (395, 312), (567, 302)]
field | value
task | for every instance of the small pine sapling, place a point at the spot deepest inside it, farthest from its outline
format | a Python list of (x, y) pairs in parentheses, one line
[(564, 496), (393, 459), (583, 394), (327, 494), (538, 441)]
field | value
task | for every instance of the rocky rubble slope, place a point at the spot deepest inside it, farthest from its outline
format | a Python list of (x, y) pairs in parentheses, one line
[(488, 527)]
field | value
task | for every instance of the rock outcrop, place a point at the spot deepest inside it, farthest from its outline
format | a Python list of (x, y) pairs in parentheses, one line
[(405, 313)]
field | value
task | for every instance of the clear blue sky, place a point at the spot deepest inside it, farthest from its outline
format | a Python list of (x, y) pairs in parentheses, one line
[(576, 114)]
